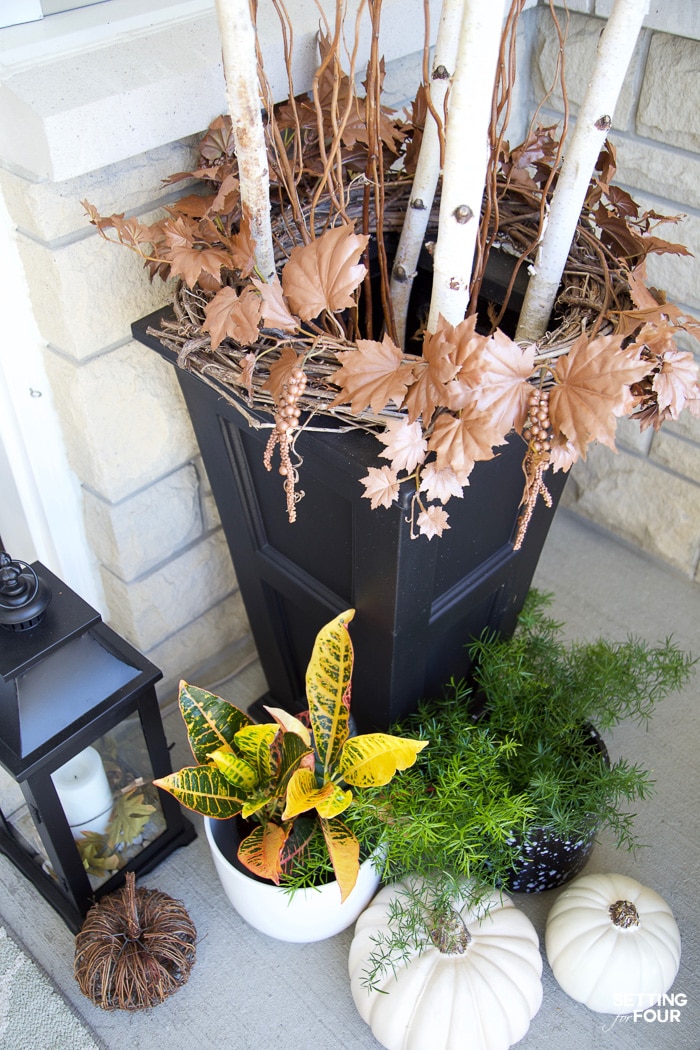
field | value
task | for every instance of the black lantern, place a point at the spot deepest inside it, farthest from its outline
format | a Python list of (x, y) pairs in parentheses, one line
[(81, 739)]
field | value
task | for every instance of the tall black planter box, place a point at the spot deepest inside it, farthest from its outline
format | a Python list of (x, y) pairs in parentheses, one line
[(418, 602)]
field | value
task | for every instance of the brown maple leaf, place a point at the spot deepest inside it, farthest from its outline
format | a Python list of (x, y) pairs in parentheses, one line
[(230, 314), (592, 388), (459, 441), (247, 372), (467, 351), (676, 382), (504, 390), (372, 375), (381, 486), (186, 259), (242, 247), (275, 311), (281, 371), (323, 275), (227, 198), (434, 371), (441, 484), (405, 444), (432, 521)]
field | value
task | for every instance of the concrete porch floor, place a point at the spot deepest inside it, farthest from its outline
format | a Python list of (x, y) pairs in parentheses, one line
[(248, 992)]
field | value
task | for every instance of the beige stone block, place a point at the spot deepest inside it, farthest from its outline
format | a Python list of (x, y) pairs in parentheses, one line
[(157, 605), (213, 639), (629, 436), (135, 535), (124, 419), (670, 93), (581, 45), (641, 502), (686, 426), (659, 170), (48, 211), (86, 294), (681, 17), (678, 455), (678, 275)]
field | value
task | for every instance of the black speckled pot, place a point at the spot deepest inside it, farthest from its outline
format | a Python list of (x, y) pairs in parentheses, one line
[(547, 859)]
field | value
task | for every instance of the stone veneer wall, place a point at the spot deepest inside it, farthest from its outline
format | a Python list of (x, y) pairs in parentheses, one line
[(150, 519), (648, 494)]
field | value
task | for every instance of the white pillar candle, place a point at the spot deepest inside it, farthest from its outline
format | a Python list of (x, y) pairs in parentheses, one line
[(84, 792)]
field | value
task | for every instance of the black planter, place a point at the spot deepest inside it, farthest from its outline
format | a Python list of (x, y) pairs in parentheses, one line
[(418, 602)]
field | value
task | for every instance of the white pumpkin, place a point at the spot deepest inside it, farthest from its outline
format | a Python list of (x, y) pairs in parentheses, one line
[(612, 943), (482, 996)]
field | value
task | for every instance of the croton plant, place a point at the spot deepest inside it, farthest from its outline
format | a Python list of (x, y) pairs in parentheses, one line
[(292, 777), (303, 343)]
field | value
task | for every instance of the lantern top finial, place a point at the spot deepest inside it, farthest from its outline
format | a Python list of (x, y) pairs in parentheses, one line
[(24, 596)]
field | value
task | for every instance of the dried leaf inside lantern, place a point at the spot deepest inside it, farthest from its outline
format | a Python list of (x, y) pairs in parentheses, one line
[(129, 817)]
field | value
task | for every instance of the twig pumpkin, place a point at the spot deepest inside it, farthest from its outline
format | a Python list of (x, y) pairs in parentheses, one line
[(135, 948), (612, 943)]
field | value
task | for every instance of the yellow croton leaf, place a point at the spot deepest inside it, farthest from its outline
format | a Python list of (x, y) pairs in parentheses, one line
[(254, 742), (304, 794), (236, 771), (344, 851), (372, 760)]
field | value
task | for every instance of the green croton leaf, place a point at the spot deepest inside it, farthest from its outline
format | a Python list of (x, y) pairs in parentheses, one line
[(206, 790), (211, 721), (238, 772), (373, 759), (328, 678)]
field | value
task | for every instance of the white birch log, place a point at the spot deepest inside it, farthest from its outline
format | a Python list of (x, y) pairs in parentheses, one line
[(427, 171), (615, 48), (243, 99), (466, 157)]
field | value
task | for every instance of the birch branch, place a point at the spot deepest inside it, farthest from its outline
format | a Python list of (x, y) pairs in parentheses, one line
[(243, 99), (466, 158), (615, 48), (428, 166)]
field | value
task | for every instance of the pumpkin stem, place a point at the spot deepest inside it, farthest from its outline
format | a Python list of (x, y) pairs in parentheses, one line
[(624, 914), (448, 932)]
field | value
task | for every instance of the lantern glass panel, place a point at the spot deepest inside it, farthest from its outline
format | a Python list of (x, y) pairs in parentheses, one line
[(57, 692), (111, 806)]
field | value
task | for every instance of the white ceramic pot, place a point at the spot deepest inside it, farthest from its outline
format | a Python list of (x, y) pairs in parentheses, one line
[(301, 916)]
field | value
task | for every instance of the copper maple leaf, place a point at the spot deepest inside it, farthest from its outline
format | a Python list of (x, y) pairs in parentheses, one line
[(281, 371), (323, 275), (372, 375), (467, 352), (234, 315), (432, 521), (242, 247), (676, 382), (405, 444), (381, 486), (275, 311), (247, 371), (504, 390), (459, 441), (435, 370), (186, 259), (592, 388), (441, 484)]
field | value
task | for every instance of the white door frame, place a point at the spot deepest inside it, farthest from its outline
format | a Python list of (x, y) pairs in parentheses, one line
[(40, 499)]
